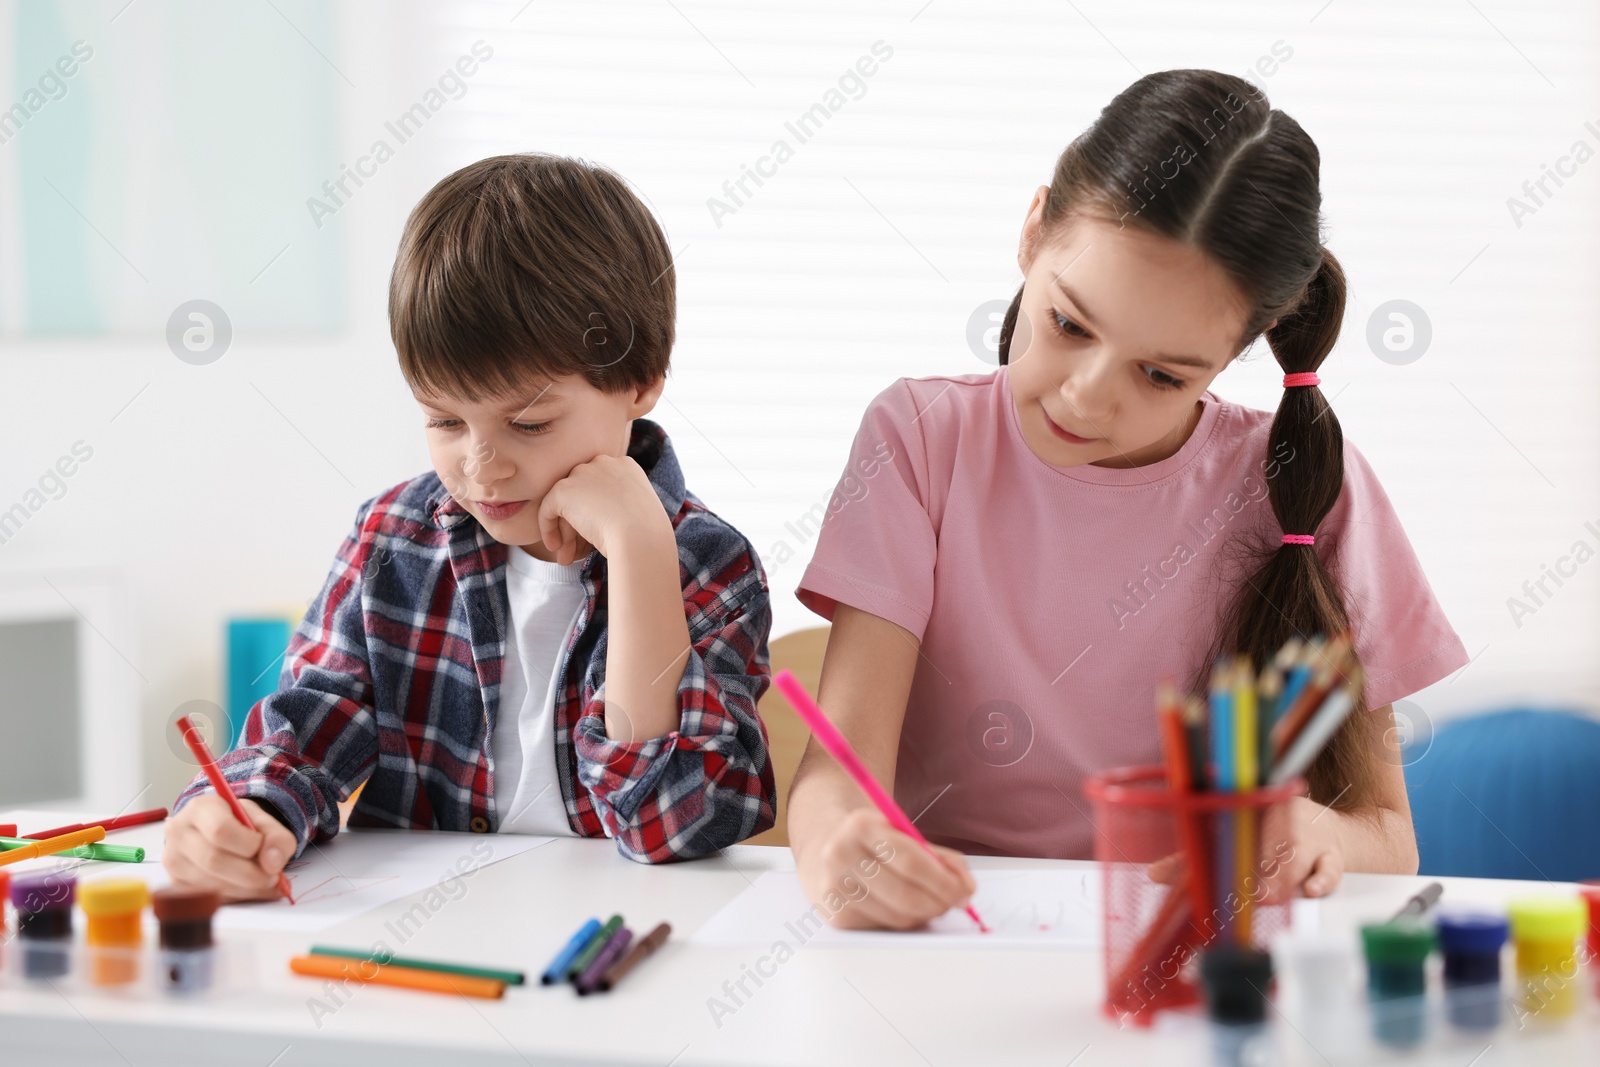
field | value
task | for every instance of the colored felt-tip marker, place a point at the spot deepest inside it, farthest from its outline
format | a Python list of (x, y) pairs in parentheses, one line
[(51, 846), (580, 941), (465, 970), (113, 853), (208, 763), (368, 970), (138, 818), (589, 980), (581, 961), (637, 954), (832, 740)]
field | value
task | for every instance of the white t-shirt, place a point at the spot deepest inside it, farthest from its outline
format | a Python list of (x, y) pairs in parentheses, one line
[(545, 599)]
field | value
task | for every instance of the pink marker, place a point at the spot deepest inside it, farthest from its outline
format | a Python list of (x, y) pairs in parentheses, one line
[(840, 749)]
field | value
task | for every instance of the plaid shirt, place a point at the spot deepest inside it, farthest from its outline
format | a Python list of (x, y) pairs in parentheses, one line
[(393, 678)]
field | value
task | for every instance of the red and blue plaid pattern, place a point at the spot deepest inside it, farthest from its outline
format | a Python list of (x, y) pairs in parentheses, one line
[(393, 678)]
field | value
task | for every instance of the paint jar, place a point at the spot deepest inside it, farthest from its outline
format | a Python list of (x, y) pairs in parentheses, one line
[(1591, 893), (1236, 980), (1316, 972), (1396, 982), (44, 923), (1471, 945), (1546, 931), (114, 908), (188, 955)]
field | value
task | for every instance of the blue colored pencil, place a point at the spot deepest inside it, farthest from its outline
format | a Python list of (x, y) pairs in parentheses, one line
[(580, 940), (1222, 744)]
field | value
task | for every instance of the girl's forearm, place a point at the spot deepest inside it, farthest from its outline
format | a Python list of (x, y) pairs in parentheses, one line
[(821, 794), (1376, 841)]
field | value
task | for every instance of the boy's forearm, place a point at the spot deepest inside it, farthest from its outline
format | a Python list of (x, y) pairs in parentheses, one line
[(647, 635)]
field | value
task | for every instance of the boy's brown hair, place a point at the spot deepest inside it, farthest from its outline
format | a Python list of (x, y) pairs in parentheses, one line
[(522, 268)]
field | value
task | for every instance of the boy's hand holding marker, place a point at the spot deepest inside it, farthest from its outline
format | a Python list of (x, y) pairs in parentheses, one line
[(207, 848)]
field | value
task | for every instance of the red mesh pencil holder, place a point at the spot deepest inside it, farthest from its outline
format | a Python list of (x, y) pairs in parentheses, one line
[(1153, 930)]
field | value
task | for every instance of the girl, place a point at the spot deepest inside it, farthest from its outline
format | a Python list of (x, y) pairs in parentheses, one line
[(1039, 546)]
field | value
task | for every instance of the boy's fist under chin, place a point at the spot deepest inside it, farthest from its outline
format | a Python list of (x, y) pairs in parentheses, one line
[(209, 848)]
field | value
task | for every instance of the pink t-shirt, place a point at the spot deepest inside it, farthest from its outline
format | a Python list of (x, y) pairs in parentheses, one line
[(1051, 601)]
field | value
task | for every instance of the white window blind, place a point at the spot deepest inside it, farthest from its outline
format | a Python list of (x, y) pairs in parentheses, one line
[(863, 250)]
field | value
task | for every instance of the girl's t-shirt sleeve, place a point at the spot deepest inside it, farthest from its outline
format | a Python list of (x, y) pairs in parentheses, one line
[(1401, 633), (876, 548)]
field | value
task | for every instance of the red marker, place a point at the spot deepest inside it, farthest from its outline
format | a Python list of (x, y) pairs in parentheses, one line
[(138, 818), (208, 763), (832, 740)]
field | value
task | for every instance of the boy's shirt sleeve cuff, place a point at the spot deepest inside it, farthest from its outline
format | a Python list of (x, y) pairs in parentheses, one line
[(280, 796), (709, 783)]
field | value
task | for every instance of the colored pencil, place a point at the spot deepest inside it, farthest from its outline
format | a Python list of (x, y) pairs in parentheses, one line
[(508, 977), (579, 941), (208, 763), (111, 853), (1318, 731), (405, 977), (138, 818), (1222, 743), (51, 846), (1244, 720), (1296, 677), (1327, 673), (1194, 731), (1222, 753), (1174, 746), (1272, 684), (832, 740), (636, 955)]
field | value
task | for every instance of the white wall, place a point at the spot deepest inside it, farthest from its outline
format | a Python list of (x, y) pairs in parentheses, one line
[(861, 260)]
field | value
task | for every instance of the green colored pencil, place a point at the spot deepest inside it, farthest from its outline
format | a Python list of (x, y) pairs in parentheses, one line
[(508, 977), (114, 853)]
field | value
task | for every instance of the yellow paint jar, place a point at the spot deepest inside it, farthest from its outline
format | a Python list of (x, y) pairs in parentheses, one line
[(115, 908), (1546, 931)]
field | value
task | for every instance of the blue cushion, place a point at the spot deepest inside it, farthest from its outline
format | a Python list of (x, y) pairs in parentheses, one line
[(1509, 794)]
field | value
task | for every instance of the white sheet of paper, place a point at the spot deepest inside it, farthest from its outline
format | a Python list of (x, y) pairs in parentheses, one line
[(1023, 908), (363, 869)]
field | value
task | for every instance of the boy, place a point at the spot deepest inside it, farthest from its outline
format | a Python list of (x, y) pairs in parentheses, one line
[(548, 633)]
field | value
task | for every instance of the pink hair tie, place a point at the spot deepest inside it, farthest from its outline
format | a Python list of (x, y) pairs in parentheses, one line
[(1308, 377), (1299, 539)]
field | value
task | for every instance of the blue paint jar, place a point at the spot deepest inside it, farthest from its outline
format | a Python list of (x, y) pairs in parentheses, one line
[(1471, 946)]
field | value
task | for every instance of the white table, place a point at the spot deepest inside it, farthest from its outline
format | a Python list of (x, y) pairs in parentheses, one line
[(824, 1006)]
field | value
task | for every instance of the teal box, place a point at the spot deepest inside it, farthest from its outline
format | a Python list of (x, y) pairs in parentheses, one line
[(255, 658)]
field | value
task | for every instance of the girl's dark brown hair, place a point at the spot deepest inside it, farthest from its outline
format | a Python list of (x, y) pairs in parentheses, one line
[(1202, 158)]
